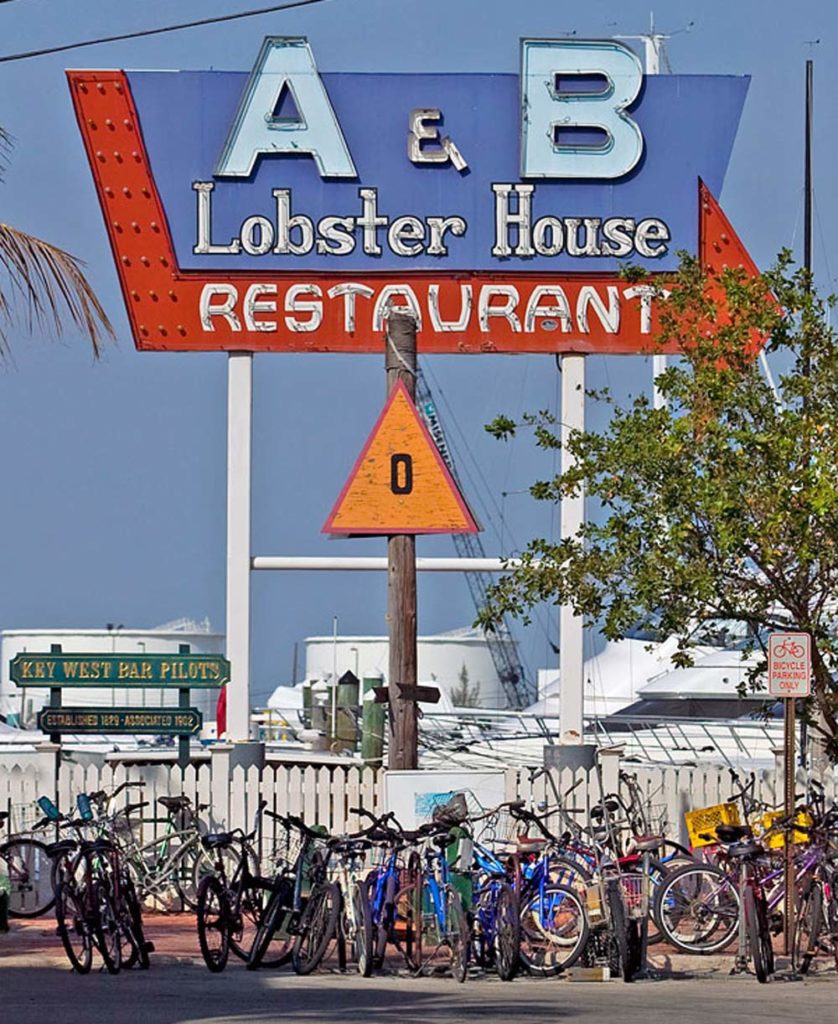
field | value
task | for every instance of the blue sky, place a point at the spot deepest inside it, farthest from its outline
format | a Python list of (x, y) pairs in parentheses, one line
[(114, 471)]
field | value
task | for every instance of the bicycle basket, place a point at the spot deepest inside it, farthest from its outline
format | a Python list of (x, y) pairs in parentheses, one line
[(24, 817), (704, 820), (777, 840), (631, 890), (454, 812)]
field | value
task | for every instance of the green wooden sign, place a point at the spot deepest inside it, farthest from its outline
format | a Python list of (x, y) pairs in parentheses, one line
[(179, 671), (155, 721)]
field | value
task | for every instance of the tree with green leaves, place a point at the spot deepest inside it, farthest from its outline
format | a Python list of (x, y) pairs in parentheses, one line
[(723, 504), (42, 286), (464, 695)]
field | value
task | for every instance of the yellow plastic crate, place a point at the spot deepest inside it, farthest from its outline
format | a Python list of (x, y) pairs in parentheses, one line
[(705, 819), (778, 840)]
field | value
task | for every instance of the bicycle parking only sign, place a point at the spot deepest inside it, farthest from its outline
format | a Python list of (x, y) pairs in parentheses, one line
[(789, 665)]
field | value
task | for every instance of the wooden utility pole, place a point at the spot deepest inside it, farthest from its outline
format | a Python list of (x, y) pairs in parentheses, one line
[(400, 362)]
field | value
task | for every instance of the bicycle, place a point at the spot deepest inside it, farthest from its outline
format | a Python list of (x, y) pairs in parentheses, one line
[(297, 859), (230, 905), (26, 863), (435, 920)]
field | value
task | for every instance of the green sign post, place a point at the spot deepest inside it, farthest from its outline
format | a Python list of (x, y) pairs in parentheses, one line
[(182, 672), (159, 721)]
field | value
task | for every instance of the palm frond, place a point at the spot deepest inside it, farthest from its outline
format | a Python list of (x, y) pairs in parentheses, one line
[(50, 285)]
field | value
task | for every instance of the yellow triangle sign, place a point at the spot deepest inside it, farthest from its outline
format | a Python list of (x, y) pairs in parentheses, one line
[(400, 483)]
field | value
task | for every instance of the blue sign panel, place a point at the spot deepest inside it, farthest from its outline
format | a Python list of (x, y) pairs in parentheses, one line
[(396, 215)]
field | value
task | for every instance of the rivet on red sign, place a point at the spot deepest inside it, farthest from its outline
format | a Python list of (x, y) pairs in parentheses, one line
[(162, 329), (119, 87), (136, 226), (146, 262), (145, 192), (109, 193), (117, 156), (128, 125), (99, 88), (153, 296), (172, 295), (100, 155), (181, 329), (126, 261), (126, 192), (82, 87), (135, 296), (155, 226), (136, 156), (117, 226), (109, 123), (164, 261), (92, 124), (143, 330)]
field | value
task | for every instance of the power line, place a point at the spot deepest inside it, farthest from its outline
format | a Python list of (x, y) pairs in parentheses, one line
[(157, 31)]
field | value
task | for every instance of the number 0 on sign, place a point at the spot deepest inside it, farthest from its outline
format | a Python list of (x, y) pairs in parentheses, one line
[(400, 483)]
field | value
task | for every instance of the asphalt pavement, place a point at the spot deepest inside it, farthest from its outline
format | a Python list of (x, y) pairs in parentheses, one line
[(36, 987)]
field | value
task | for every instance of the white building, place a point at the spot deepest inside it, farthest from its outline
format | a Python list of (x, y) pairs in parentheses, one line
[(22, 704), (442, 659)]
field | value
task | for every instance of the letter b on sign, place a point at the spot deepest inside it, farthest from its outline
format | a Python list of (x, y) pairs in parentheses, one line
[(608, 143)]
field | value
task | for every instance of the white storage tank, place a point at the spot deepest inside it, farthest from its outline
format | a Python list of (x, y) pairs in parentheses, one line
[(458, 662), (23, 704)]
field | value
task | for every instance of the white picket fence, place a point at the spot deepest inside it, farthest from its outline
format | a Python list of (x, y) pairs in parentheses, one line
[(327, 795)]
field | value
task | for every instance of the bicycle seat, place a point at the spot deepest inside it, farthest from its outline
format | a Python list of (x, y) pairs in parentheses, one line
[(350, 846), (610, 805), (527, 843), (217, 839), (174, 803), (732, 833), (746, 849), (644, 843)]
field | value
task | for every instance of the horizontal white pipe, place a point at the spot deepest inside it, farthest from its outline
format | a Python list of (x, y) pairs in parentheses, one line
[(375, 564)]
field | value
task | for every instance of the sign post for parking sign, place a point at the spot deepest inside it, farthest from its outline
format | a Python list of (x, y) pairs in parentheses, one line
[(789, 677)]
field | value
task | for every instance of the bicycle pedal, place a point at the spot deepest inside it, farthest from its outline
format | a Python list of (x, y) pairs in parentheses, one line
[(148, 947)]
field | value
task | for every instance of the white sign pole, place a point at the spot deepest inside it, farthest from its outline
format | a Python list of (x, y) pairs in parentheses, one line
[(239, 429), (571, 641)]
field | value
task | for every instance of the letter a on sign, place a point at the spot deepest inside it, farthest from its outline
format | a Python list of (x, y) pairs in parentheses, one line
[(400, 483)]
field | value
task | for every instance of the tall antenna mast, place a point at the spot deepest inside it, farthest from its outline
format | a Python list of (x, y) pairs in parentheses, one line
[(654, 54)]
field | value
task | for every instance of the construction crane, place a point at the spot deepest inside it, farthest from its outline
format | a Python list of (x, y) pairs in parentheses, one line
[(503, 649)]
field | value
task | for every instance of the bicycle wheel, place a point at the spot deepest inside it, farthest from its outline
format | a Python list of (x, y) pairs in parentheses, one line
[(362, 945), (807, 928), (383, 912), (107, 930), (131, 920), (570, 871), (457, 936), (759, 938), (273, 943), (696, 909), (29, 868), (507, 933), (245, 923), (214, 923), (554, 930), (73, 927), (619, 925), (317, 928)]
